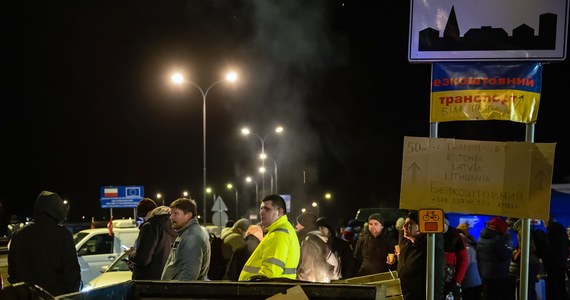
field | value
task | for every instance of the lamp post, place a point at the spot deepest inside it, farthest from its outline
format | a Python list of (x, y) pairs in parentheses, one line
[(249, 180), (159, 198), (277, 130), (264, 156), (262, 171), (315, 204), (230, 186), (178, 78)]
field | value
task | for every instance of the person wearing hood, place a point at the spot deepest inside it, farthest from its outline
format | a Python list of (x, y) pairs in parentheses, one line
[(153, 244), (494, 251), (253, 236), (43, 253)]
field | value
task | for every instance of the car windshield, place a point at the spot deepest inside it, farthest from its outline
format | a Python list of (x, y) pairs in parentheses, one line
[(79, 236), (120, 264)]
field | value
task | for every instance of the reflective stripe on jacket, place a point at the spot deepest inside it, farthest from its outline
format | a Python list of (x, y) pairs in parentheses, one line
[(277, 255)]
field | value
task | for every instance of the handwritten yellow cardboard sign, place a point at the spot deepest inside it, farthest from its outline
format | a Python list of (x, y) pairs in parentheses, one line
[(509, 179)]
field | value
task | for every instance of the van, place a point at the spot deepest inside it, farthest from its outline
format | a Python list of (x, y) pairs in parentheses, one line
[(96, 248)]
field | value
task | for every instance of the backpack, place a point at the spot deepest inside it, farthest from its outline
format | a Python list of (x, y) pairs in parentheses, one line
[(217, 262)]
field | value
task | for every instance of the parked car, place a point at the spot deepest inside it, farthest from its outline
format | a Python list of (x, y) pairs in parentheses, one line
[(97, 248), (117, 272)]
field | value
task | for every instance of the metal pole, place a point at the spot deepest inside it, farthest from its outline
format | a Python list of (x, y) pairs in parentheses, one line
[(263, 165), (237, 215), (275, 165), (204, 96)]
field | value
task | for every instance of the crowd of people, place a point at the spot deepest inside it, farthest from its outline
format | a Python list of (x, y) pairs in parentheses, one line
[(172, 245)]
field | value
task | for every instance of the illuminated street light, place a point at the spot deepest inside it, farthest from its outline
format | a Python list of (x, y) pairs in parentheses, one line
[(315, 204), (263, 156), (249, 180), (159, 198), (246, 131), (230, 186), (178, 79)]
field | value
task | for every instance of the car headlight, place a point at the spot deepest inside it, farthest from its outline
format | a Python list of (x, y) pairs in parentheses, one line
[(87, 288)]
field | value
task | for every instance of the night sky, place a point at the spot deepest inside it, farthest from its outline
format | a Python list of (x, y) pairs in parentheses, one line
[(87, 102)]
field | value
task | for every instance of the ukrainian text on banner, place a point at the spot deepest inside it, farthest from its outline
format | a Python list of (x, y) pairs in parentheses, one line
[(485, 91), (510, 179)]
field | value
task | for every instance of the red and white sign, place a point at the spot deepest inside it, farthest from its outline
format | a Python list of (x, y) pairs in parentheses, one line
[(111, 192)]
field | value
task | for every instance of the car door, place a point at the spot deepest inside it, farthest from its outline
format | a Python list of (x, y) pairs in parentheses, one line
[(94, 254)]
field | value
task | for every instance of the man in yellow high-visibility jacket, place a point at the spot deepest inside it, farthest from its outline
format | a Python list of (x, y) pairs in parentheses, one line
[(277, 256)]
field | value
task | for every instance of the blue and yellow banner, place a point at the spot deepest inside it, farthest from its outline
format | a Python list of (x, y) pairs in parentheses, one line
[(485, 91)]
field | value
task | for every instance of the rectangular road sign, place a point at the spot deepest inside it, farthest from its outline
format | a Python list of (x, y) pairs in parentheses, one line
[(509, 179), (450, 30), (121, 196)]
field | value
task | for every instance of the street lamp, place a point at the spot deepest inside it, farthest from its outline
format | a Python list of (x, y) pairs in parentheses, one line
[(159, 198), (278, 130), (178, 79), (262, 171), (264, 156), (249, 180), (230, 186), (315, 204)]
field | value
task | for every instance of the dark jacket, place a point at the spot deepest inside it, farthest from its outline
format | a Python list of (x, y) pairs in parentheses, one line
[(43, 253), (494, 251), (412, 267), (241, 255), (371, 253), (153, 245)]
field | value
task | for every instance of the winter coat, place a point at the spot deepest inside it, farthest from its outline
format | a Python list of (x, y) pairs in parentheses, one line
[(155, 239), (232, 239), (277, 255), (43, 253), (494, 251), (412, 267), (241, 255), (371, 253), (472, 277), (455, 256), (189, 258), (313, 265)]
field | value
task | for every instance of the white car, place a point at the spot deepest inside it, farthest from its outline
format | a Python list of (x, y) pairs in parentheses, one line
[(117, 272), (96, 248)]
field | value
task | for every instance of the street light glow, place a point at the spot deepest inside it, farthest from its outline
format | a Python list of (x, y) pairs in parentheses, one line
[(231, 76), (261, 169), (177, 78), (229, 186), (328, 196)]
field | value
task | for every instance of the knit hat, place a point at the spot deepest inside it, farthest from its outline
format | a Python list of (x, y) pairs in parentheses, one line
[(256, 231), (145, 206), (378, 217), (307, 219), (242, 224), (348, 234), (400, 223), (498, 224), (413, 214)]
